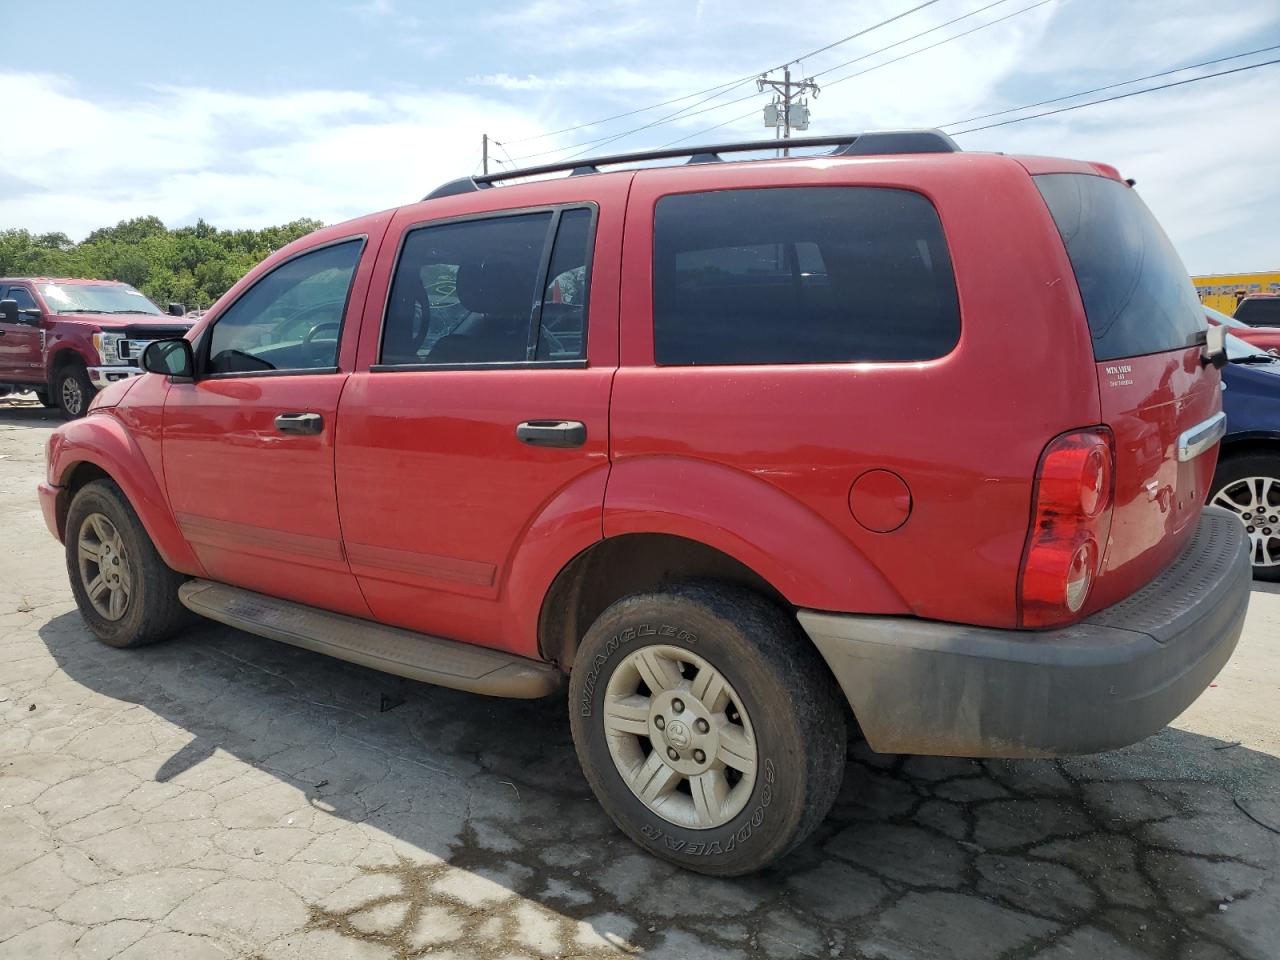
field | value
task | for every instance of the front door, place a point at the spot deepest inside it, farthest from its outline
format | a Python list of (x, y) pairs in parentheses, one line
[(248, 447), (484, 412), (21, 357)]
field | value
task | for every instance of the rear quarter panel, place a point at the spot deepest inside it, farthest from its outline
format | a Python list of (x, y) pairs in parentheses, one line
[(964, 431)]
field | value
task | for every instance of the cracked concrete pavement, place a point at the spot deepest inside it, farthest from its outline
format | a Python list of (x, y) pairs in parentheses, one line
[(222, 796)]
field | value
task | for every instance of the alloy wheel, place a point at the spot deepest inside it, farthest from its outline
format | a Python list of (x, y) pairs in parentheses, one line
[(72, 395), (104, 566), (1256, 500), (679, 737)]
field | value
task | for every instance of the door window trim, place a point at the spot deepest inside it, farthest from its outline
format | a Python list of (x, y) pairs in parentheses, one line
[(204, 341), (535, 318)]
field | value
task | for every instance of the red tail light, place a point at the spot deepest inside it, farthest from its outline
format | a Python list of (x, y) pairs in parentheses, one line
[(1069, 528)]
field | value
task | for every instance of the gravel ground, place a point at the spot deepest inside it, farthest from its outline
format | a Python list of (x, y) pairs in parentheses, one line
[(225, 796)]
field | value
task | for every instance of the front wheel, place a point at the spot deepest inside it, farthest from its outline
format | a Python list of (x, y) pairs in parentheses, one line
[(126, 593), (707, 725), (72, 390), (1249, 486)]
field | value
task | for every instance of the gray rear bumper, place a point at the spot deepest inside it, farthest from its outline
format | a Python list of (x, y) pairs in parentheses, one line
[(924, 687)]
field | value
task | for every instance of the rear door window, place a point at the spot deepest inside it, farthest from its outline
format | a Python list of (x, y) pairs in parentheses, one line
[(1138, 297), (496, 290), (801, 275)]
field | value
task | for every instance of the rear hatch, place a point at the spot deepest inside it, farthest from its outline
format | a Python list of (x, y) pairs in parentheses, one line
[(1147, 327)]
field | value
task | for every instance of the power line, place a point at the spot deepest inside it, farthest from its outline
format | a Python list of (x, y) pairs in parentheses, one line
[(721, 87), (1119, 96), (877, 66), (1112, 86)]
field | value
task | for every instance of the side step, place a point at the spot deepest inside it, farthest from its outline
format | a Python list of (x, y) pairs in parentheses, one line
[(417, 656)]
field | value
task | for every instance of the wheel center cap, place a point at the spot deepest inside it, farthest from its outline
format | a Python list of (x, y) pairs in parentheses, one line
[(678, 734)]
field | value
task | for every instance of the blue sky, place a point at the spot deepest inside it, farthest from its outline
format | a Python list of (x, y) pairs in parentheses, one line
[(255, 113)]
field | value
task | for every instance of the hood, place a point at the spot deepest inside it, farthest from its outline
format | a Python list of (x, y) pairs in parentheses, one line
[(118, 321)]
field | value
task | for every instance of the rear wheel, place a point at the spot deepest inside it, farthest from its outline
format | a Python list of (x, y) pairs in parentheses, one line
[(1249, 486), (127, 595), (708, 726), (72, 390)]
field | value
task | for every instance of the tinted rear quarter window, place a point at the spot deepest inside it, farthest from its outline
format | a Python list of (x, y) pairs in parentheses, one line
[(801, 275), (1138, 297)]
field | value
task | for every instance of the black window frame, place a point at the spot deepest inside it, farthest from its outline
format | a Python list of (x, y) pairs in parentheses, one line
[(205, 340), (900, 188), (535, 316)]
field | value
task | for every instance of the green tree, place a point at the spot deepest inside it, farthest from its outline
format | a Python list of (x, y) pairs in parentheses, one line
[(193, 265)]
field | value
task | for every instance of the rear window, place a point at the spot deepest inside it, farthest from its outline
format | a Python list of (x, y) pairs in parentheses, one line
[(1259, 313), (801, 275), (1137, 295)]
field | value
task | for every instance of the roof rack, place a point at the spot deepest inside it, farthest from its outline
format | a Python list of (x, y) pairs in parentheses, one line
[(871, 143)]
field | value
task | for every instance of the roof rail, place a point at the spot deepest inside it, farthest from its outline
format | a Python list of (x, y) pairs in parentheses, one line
[(871, 143)]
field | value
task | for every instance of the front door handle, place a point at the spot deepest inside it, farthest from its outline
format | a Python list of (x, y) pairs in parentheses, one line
[(552, 433), (299, 423)]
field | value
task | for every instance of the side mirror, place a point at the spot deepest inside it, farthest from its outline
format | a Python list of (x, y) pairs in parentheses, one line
[(1214, 350), (9, 311), (173, 358), (177, 310)]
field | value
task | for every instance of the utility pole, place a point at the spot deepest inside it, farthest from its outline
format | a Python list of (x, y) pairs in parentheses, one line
[(484, 153), (782, 114)]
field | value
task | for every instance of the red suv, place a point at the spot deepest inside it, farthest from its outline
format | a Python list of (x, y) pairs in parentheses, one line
[(735, 447)]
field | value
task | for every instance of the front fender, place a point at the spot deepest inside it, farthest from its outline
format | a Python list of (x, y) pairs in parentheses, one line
[(104, 441), (802, 556)]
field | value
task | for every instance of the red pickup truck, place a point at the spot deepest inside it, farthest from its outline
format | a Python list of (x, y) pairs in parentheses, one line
[(736, 447), (65, 339)]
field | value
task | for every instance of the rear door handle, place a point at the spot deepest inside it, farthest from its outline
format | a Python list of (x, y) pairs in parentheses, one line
[(299, 423), (552, 433)]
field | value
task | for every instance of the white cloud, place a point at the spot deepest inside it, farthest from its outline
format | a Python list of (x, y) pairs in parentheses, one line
[(1205, 155)]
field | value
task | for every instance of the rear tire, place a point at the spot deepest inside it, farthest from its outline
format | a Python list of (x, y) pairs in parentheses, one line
[(127, 595), (1244, 484), (72, 390), (738, 757)]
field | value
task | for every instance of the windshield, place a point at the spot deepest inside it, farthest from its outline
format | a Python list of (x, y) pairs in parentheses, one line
[(1217, 316), (1238, 349), (96, 298)]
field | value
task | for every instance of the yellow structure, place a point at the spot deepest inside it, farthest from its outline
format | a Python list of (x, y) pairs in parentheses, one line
[(1223, 292)]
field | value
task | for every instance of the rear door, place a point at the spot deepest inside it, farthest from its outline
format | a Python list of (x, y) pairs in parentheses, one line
[(21, 356), (483, 407), (1146, 323), (248, 447)]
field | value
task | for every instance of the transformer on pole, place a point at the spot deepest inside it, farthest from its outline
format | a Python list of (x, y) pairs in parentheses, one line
[(790, 106)]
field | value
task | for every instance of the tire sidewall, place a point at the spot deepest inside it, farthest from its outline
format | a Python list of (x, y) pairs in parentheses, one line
[(96, 498), (764, 827)]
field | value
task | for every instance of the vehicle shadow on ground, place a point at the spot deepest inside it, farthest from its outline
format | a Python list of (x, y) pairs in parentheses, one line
[(26, 410), (1167, 849)]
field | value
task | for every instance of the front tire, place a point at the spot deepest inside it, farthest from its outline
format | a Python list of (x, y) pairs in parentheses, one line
[(127, 595), (708, 726), (72, 390), (1249, 486)]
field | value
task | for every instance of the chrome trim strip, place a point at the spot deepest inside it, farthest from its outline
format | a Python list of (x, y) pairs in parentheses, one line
[(1201, 437)]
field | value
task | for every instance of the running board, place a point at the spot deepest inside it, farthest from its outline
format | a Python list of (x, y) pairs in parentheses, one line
[(404, 653)]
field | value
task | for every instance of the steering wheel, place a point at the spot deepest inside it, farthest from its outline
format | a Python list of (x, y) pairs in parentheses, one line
[(311, 334)]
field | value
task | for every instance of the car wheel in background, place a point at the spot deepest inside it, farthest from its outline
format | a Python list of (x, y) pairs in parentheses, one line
[(1249, 486), (708, 726), (72, 390)]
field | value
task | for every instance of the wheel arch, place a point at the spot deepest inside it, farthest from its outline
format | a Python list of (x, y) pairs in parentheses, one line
[(99, 447), (627, 564)]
